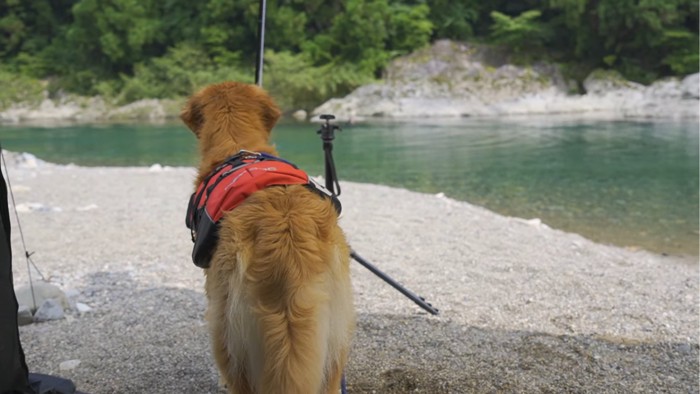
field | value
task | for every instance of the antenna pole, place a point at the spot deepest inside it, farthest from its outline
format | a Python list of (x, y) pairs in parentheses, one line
[(261, 48)]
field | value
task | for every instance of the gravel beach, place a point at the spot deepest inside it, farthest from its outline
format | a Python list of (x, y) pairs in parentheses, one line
[(523, 308)]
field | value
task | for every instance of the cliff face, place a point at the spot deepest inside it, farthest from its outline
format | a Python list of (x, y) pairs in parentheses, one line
[(452, 79)]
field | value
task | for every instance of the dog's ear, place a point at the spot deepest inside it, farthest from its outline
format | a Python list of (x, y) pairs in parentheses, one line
[(270, 113), (191, 113)]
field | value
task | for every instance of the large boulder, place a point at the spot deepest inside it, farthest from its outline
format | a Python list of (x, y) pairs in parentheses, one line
[(42, 291), (450, 79), (447, 79)]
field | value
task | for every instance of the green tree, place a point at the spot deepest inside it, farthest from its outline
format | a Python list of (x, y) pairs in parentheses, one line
[(641, 38), (520, 32), (27, 28), (408, 27), (359, 33), (454, 19), (116, 34), (369, 32)]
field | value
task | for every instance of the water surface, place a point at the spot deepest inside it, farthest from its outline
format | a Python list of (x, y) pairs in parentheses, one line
[(626, 183)]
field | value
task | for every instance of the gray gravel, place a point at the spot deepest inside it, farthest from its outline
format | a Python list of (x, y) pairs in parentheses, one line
[(523, 308)]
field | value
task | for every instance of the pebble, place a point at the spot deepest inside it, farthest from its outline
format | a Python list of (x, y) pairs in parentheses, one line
[(300, 115), (49, 310), (68, 365), (24, 315), (82, 308)]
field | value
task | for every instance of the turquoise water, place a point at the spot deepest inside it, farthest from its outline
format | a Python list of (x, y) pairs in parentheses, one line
[(625, 183)]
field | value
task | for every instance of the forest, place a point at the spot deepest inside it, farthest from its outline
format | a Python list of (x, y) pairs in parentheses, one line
[(125, 50)]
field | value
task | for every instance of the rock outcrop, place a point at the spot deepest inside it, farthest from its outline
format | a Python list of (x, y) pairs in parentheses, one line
[(90, 109), (452, 79)]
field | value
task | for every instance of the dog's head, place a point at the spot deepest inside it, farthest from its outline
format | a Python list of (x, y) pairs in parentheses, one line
[(237, 115)]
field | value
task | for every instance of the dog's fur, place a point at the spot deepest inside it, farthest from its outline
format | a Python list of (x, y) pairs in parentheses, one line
[(280, 310)]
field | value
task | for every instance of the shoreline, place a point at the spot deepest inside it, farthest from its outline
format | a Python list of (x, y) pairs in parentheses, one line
[(682, 249), (679, 245), (523, 307), (19, 117), (417, 97)]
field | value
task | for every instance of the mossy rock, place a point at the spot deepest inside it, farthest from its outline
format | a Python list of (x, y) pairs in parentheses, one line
[(603, 81)]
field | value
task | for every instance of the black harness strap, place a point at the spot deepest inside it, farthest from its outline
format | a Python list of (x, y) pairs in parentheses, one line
[(204, 229)]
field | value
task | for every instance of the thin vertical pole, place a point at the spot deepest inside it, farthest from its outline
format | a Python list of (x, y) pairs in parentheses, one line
[(261, 40)]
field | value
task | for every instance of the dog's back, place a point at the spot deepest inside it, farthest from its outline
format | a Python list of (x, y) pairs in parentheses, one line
[(280, 299)]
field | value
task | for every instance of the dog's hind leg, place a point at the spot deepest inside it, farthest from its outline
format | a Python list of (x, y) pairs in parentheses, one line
[(290, 285), (218, 295), (295, 346)]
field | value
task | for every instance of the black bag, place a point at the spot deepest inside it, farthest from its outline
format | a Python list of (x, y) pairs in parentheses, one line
[(14, 374), (207, 234)]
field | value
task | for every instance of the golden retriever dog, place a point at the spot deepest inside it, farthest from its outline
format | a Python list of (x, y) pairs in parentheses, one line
[(280, 308)]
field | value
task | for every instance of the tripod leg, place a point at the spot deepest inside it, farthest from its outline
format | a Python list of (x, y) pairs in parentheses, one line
[(408, 293)]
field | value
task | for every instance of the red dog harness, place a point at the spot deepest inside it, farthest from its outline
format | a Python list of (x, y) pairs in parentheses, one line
[(228, 185)]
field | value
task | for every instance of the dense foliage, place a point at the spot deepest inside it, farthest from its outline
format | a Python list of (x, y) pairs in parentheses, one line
[(130, 49)]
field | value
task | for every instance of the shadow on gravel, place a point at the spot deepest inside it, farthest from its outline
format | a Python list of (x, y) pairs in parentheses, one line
[(419, 354), (151, 339), (137, 339)]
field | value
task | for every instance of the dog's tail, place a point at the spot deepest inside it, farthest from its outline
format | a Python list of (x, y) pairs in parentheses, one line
[(298, 273)]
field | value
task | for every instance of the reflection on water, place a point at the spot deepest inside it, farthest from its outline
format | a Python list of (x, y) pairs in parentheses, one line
[(626, 183)]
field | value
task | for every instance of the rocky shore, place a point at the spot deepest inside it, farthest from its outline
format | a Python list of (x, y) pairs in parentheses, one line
[(74, 109), (523, 308), (445, 80), (451, 79)]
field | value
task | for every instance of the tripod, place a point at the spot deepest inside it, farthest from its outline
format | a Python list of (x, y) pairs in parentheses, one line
[(327, 133)]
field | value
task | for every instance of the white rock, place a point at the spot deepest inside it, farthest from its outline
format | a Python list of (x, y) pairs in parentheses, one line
[(49, 310), (89, 207), (536, 222), (36, 207), (42, 292), (82, 308), (68, 365), (28, 160), (25, 207), (155, 168), (300, 115), (20, 188)]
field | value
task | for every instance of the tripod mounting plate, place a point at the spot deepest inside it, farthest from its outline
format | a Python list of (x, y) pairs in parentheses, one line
[(327, 130)]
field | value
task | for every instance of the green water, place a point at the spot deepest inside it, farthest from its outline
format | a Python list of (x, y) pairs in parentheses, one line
[(625, 183)]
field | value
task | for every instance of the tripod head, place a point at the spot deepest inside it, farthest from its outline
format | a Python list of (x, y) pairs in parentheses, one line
[(327, 130)]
